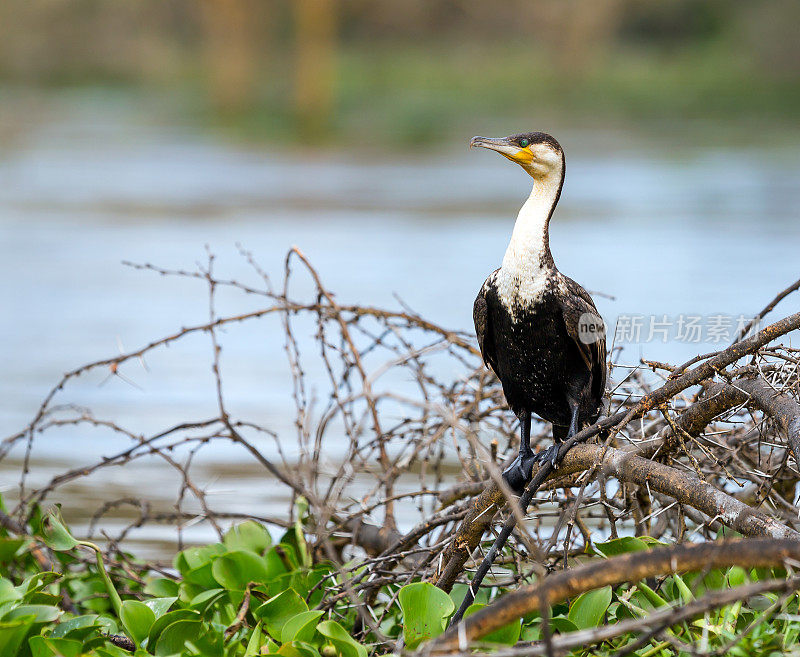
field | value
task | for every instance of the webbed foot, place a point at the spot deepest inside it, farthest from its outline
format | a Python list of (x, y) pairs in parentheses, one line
[(519, 473), (549, 455)]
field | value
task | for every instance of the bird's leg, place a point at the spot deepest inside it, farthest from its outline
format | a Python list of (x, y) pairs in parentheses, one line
[(573, 423), (551, 453), (525, 436), (519, 473)]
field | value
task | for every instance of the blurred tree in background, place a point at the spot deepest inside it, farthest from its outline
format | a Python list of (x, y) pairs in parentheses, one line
[(233, 55), (416, 70)]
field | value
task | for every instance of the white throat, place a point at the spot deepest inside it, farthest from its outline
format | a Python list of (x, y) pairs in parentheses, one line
[(527, 264), (529, 240)]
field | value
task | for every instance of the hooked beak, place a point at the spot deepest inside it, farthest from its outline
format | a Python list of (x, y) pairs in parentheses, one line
[(503, 146)]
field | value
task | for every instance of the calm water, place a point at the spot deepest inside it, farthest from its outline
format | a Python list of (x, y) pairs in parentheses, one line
[(699, 232)]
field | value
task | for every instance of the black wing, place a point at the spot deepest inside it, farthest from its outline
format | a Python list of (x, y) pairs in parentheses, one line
[(481, 315), (577, 304)]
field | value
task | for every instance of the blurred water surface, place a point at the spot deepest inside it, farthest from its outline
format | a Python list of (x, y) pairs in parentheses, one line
[(663, 231)]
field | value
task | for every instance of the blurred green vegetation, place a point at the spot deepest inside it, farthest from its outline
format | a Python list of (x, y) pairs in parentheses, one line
[(412, 72)]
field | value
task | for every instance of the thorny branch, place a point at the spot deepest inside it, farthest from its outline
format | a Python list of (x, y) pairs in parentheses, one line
[(400, 435)]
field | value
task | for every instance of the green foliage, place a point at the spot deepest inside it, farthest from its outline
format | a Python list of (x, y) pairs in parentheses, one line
[(425, 612), (508, 634), (55, 534), (341, 640), (235, 570), (247, 596), (277, 611), (188, 615), (625, 544), (137, 619), (589, 609), (248, 536)]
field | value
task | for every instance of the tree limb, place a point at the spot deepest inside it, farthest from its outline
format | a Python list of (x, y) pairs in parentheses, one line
[(631, 567), (486, 505)]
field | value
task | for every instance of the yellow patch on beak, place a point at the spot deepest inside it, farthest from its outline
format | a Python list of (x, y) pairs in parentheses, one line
[(522, 156)]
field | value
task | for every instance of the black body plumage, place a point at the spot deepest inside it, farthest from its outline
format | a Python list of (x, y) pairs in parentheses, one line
[(538, 355)]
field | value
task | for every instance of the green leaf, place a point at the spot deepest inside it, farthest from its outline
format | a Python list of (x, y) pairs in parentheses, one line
[(301, 507), (289, 650), (9, 592), (90, 590), (638, 606), (508, 634), (208, 641), (113, 651), (44, 598), (531, 632), (9, 548), (459, 592), (162, 587), (684, 591), (40, 613), (175, 636), (345, 644), (235, 570), (36, 583), (589, 609), (280, 559), (655, 599), (248, 536), (314, 593), (108, 625), (48, 647), (301, 627), (13, 633), (425, 611), (137, 618), (56, 535), (202, 576), (79, 625), (562, 625), (621, 546), (194, 558), (295, 540), (276, 611), (297, 649), (160, 605), (166, 620), (201, 601), (254, 644), (736, 576)]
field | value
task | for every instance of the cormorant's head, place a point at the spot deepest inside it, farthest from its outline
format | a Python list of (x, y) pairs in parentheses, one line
[(536, 152)]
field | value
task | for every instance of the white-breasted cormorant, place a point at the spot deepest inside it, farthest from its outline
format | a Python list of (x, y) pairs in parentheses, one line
[(538, 329)]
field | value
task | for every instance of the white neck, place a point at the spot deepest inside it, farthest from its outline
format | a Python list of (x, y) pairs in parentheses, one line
[(529, 248)]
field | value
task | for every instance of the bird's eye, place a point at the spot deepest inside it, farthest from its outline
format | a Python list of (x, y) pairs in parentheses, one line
[(524, 142)]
